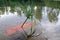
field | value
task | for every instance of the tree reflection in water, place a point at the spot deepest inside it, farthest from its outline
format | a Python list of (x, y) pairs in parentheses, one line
[(53, 15)]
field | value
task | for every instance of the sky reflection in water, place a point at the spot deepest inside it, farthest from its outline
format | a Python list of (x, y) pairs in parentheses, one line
[(50, 29)]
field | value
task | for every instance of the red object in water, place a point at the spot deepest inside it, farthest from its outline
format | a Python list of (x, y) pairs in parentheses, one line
[(13, 30)]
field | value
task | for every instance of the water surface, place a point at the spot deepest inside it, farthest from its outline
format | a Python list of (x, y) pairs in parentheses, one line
[(48, 22)]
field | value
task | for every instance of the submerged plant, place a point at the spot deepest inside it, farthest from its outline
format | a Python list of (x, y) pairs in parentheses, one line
[(32, 32), (28, 36)]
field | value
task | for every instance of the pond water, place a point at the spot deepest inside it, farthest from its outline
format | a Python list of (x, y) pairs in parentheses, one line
[(47, 22)]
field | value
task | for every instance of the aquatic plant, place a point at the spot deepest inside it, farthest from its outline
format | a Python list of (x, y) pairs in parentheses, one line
[(32, 32)]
